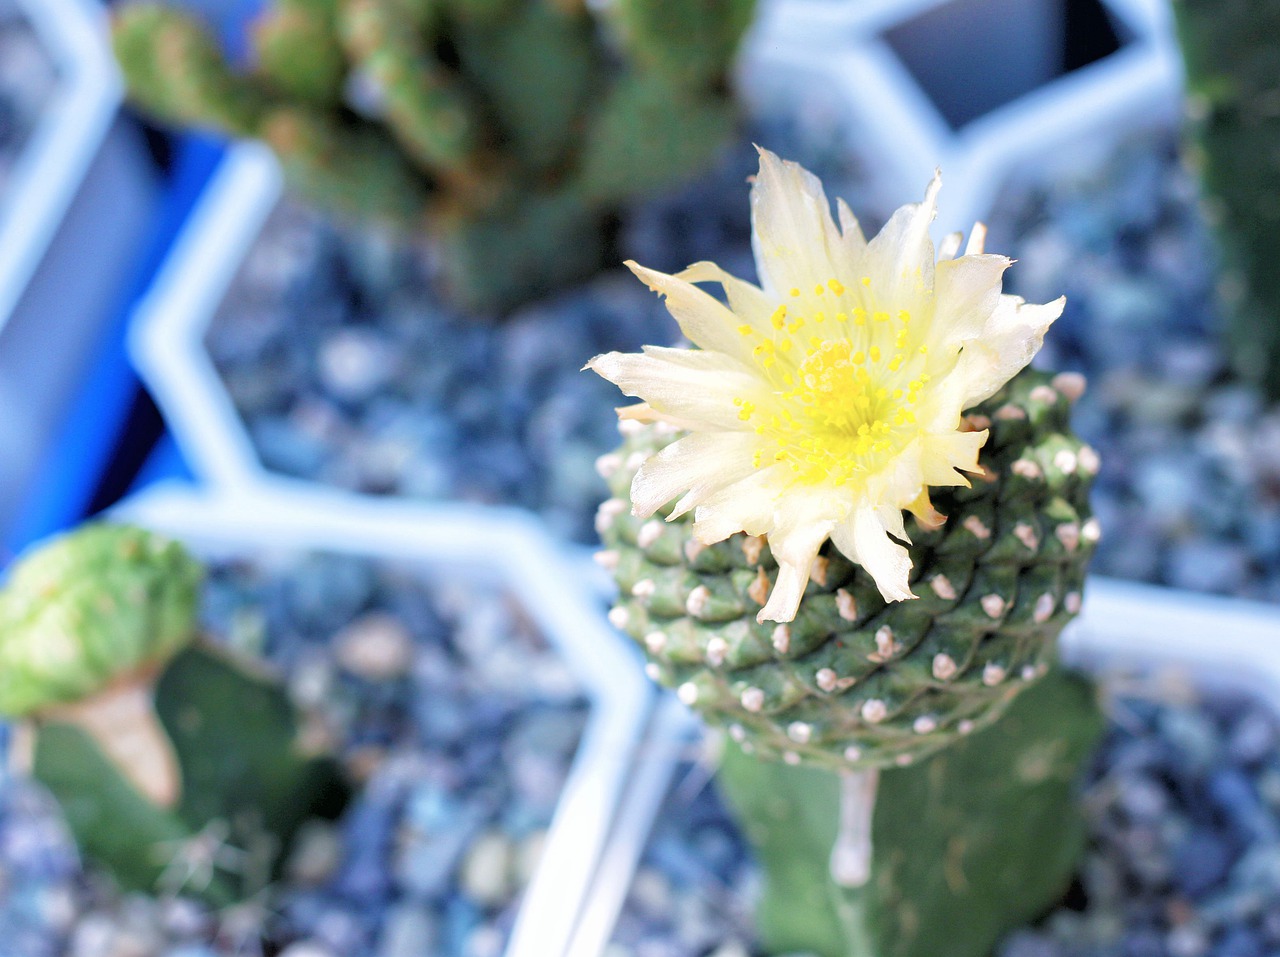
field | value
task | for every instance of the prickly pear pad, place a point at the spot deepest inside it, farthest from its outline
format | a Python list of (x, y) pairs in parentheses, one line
[(854, 681)]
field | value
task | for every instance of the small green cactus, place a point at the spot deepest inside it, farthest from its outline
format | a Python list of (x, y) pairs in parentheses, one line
[(854, 686), (1231, 56), (487, 121), (854, 682), (178, 768)]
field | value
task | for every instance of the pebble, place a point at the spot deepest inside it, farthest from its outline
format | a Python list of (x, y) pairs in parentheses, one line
[(486, 871), (411, 930), (316, 853), (307, 948), (376, 646)]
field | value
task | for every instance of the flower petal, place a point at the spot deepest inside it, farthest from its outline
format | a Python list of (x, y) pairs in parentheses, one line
[(748, 301), (966, 293), (795, 542), (704, 319), (700, 387), (1012, 337), (745, 506), (899, 259), (796, 243), (863, 539), (702, 462), (850, 232), (945, 453)]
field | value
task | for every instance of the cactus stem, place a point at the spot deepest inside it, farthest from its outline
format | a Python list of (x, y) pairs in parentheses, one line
[(851, 853), (121, 720)]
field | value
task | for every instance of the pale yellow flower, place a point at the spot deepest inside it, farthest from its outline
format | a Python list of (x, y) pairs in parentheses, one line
[(828, 400)]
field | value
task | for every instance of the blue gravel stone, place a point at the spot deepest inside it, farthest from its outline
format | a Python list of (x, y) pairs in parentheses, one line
[(1236, 798), (1239, 942), (1201, 862)]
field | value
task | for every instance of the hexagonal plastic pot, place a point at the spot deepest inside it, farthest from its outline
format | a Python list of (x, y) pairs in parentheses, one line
[(506, 549), (990, 91), (1215, 644)]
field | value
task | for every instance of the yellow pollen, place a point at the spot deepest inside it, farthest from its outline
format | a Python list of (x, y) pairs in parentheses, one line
[(904, 317), (818, 290), (785, 345), (795, 327), (795, 291), (866, 280), (744, 330), (835, 286), (875, 353), (859, 316), (879, 316), (779, 317), (859, 357)]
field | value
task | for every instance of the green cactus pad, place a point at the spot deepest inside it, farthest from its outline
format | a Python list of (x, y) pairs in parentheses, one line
[(88, 608), (966, 846), (854, 682), (248, 785)]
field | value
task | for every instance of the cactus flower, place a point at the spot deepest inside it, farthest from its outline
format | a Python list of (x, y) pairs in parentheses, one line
[(825, 401)]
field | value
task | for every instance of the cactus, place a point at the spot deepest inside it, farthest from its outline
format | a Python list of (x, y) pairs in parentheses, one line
[(853, 682), (854, 689), (1231, 54), (178, 767), (978, 839), (487, 121), (833, 592)]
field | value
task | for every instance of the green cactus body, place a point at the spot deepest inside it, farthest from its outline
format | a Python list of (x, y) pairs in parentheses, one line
[(973, 830), (177, 767), (853, 682), (1230, 51), (89, 608), (462, 113), (975, 841)]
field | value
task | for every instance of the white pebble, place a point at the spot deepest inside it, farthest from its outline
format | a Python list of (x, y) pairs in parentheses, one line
[(376, 646)]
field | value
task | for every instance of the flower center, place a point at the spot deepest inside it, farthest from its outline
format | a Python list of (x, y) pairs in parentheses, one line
[(842, 400)]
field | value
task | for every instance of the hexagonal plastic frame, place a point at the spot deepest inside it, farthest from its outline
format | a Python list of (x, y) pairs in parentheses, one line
[(64, 143)]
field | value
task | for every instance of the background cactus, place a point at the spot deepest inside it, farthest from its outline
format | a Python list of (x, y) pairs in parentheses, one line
[(853, 685), (177, 767), (516, 129), (1232, 55)]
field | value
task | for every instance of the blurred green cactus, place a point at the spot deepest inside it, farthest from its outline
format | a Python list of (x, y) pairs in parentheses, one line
[(90, 608), (514, 130), (1232, 57), (177, 767), (853, 686)]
